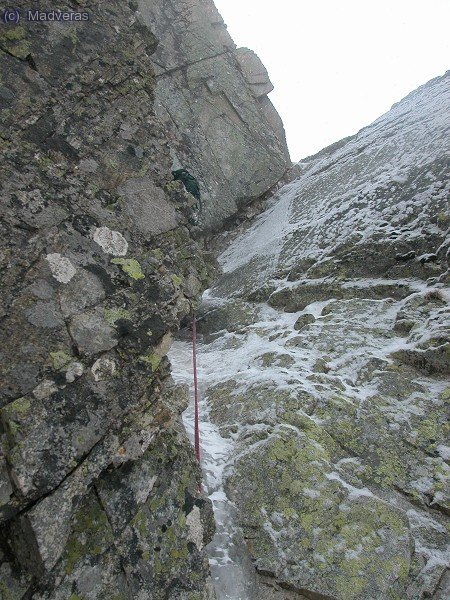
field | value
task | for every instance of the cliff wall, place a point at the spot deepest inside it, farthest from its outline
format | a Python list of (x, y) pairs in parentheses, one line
[(212, 99), (99, 486)]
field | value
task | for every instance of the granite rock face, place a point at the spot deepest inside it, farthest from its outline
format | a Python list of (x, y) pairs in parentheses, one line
[(213, 101), (99, 485), (332, 337)]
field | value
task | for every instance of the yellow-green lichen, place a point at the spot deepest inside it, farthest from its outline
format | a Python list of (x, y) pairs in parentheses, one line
[(13, 38), (443, 218), (21, 406), (91, 534), (157, 253), (179, 554), (140, 524), (115, 314), (335, 534), (174, 186), (151, 359), (446, 394), (391, 469), (60, 359), (349, 587), (130, 266), (176, 280), (13, 34), (431, 430)]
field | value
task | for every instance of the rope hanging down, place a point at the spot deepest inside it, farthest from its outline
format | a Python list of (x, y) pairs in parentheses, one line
[(194, 362)]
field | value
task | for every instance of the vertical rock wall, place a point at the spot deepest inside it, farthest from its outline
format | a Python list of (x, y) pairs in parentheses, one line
[(98, 486), (213, 100)]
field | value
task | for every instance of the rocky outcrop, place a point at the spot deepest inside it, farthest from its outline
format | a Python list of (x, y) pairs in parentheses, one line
[(331, 328), (213, 101), (99, 485), (330, 324)]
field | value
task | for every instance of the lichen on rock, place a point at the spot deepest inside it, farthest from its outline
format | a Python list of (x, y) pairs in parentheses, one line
[(330, 328), (99, 266)]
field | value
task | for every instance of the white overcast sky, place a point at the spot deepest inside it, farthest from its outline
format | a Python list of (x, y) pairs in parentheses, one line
[(337, 65)]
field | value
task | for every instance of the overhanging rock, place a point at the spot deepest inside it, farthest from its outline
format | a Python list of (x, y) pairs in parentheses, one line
[(213, 100)]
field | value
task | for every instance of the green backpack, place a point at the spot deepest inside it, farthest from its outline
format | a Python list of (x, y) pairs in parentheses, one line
[(189, 181)]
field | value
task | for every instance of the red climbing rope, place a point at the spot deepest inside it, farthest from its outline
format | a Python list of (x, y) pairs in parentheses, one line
[(194, 362)]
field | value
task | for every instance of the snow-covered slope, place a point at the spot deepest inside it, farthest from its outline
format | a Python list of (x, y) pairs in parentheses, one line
[(358, 209), (325, 361)]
